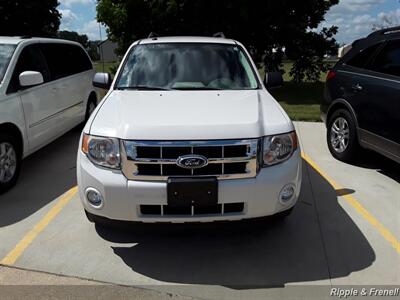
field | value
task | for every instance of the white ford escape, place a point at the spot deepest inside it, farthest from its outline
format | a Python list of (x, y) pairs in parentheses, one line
[(188, 133), (45, 90)]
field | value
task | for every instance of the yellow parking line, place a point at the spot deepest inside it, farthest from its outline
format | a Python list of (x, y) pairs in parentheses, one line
[(19, 249), (14, 254), (383, 231)]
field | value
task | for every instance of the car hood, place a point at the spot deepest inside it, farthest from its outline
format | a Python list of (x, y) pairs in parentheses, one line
[(188, 115)]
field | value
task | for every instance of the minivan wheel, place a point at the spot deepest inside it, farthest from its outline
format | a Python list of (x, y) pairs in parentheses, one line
[(342, 135), (10, 162), (91, 106)]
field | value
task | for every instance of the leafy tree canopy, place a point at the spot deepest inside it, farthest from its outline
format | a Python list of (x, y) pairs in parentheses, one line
[(90, 46), (271, 29), (74, 36), (27, 17)]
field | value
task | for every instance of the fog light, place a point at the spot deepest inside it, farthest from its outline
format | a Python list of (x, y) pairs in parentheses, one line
[(94, 197), (287, 193)]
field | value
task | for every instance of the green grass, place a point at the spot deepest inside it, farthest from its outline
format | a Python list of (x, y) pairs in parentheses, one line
[(301, 101), (108, 67)]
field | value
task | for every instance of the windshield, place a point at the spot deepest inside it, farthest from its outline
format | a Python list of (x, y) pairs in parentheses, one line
[(6, 51), (184, 66)]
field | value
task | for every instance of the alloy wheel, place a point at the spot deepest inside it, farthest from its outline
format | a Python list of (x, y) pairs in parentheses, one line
[(8, 162), (340, 133), (92, 107)]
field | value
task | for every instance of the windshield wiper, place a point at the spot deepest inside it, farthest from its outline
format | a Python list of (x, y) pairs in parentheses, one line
[(194, 88), (143, 88)]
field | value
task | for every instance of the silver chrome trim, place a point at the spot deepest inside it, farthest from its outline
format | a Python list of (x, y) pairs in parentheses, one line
[(370, 76), (129, 158), (203, 161)]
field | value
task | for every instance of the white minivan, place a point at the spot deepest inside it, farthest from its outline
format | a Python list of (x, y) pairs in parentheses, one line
[(45, 90), (188, 132)]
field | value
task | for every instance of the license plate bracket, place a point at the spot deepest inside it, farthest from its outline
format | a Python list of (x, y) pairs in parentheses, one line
[(192, 191)]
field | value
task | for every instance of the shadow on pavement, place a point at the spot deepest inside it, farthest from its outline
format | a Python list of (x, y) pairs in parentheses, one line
[(344, 192), (372, 160), (45, 175), (318, 241)]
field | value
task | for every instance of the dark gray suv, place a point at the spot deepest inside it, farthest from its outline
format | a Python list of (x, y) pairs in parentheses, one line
[(362, 98)]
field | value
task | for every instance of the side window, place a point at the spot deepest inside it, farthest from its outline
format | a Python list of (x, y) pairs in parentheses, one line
[(58, 60), (30, 59), (81, 60), (65, 60), (361, 59), (388, 59)]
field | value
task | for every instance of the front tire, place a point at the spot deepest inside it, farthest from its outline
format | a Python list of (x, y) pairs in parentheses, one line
[(89, 216), (279, 217), (342, 135), (10, 161), (103, 223)]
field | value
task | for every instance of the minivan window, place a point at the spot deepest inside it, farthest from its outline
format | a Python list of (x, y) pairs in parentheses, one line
[(6, 52), (187, 66), (65, 59), (30, 59), (361, 59), (80, 58), (388, 59)]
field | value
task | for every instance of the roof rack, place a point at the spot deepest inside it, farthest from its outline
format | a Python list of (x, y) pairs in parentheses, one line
[(219, 34), (153, 35), (390, 30)]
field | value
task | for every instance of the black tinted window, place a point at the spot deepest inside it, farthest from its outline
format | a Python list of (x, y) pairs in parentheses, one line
[(30, 59), (388, 59), (361, 59), (80, 58), (65, 60)]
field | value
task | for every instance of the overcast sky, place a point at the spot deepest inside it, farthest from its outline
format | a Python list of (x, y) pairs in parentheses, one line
[(355, 18)]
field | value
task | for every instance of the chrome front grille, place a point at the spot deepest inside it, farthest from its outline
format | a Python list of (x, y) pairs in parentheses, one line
[(156, 160)]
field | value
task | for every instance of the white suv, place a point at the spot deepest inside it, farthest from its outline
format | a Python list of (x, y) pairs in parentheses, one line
[(45, 90), (188, 133)]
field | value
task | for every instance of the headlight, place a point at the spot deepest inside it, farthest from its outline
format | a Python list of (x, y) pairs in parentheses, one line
[(102, 151), (278, 148)]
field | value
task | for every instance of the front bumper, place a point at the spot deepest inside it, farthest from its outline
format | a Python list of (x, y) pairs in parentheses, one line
[(123, 197)]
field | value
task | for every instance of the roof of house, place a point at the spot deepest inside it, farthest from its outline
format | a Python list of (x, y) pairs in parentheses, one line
[(106, 40)]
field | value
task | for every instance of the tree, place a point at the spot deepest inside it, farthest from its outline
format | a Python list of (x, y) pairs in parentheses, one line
[(90, 46), (93, 50), (266, 27), (74, 36), (27, 17)]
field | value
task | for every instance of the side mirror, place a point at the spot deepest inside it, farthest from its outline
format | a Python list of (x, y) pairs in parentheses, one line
[(273, 80), (30, 78), (102, 80)]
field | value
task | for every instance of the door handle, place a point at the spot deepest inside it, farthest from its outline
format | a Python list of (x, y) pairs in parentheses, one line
[(357, 87)]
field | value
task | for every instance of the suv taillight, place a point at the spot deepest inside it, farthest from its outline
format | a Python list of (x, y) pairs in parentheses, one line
[(331, 75)]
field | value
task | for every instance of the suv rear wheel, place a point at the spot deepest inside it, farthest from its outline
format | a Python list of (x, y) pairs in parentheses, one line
[(10, 162), (342, 135)]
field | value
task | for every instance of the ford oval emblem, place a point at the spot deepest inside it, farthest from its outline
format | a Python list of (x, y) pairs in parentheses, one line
[(192, 161)]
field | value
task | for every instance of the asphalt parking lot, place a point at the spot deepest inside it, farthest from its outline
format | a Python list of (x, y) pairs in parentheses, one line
[(345, 230)]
